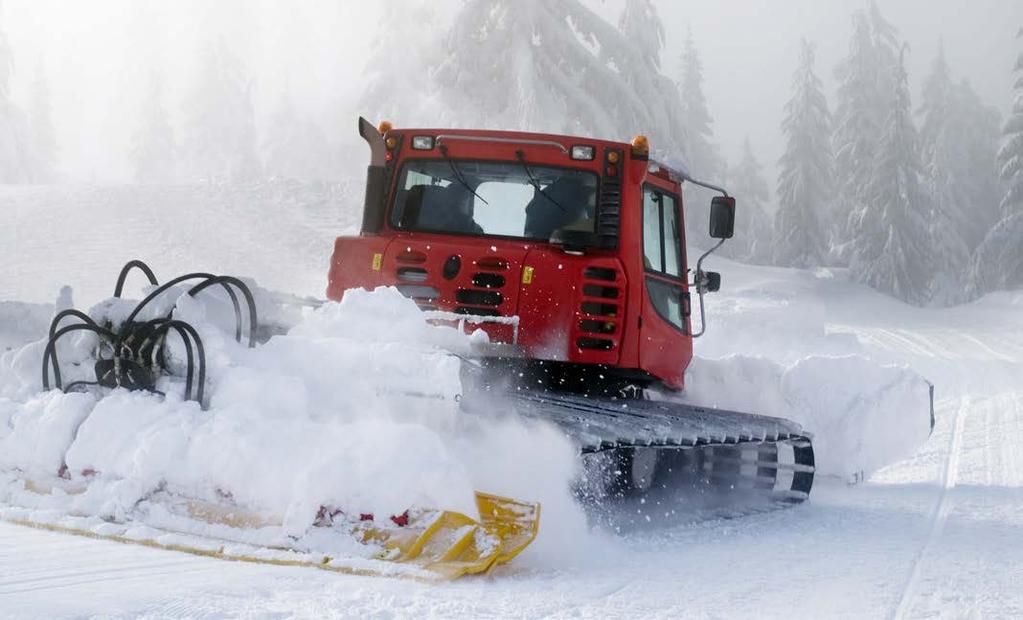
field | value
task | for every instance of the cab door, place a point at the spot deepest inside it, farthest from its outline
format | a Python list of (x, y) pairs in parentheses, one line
[(665, 346)]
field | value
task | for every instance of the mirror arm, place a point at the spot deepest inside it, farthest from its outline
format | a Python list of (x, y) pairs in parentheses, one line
[(700, 282), (699, 278), (704, 184)]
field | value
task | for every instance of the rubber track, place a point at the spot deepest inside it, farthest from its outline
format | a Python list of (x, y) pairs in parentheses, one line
[(601, 424)]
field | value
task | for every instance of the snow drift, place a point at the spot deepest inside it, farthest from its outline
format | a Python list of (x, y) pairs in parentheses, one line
[(862, 415), (355, 407)]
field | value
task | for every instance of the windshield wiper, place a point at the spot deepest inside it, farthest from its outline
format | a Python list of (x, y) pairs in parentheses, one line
[(521, 156), (458, 175)]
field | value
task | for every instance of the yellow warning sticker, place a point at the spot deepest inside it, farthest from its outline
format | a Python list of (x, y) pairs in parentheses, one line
[(527, 275), (378, 260)]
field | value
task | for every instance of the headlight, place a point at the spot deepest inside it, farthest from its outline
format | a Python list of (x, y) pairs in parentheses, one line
[(422, 143), (582, 152)]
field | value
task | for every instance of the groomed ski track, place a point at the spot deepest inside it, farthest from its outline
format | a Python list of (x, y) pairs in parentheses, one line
[(936, 535)]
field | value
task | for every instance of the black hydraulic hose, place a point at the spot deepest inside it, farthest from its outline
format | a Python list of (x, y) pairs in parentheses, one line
[(134, 264), (182, 328), (224, 281), (159, 328), (51, 350), (65, 313), (185, 331), (234, 302), (74, 384), (162, 289)]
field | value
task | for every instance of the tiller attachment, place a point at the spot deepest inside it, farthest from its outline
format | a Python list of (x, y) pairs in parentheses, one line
[(131, 352)]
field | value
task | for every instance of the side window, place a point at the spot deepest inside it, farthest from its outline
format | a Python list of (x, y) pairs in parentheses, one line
[(672, 242), (668, 300), (652, 257), (661, 236), (662, 255)]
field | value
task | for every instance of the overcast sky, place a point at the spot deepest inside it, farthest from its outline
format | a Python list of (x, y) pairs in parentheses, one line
[(97, 55)]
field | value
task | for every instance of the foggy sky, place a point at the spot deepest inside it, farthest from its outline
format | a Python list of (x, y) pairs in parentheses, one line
[(98, 56)]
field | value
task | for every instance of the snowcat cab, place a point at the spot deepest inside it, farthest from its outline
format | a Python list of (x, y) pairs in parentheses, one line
[(565, 251), (569, 253)]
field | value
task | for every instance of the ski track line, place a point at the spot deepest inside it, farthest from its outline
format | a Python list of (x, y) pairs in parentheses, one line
[(987, 348), (939, 515)]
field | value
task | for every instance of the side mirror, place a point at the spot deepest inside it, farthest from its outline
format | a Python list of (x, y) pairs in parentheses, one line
[(722, 217)]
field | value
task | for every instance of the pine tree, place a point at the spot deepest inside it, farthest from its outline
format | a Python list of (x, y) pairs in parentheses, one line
[(42, 138), (893, 251), (641, 24), (548, 65), (399, 78), (805, 181), (295, 147), (13, 141), (753, 232), (220, 138), (1010, 157), (155, 152), (703, 160), (958, 142), (998, 261), (643, 33), (864, 92)]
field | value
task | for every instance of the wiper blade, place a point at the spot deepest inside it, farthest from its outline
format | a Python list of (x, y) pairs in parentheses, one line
[(521, 156), (458, 175)]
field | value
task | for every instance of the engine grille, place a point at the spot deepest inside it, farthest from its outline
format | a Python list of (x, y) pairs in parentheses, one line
[(600, 309)]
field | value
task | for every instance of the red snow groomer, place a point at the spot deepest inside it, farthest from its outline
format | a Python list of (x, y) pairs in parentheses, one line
[(570, 254)]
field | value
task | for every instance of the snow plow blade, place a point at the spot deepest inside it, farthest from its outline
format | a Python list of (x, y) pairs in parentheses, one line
[(421, 544)]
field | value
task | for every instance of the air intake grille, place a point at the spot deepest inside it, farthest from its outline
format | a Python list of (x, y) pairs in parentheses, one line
[(600, 309)]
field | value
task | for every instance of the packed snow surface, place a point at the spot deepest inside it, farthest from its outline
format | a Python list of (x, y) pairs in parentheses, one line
[(932, 532)]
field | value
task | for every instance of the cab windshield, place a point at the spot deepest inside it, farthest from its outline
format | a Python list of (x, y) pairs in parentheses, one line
[(505, 199)]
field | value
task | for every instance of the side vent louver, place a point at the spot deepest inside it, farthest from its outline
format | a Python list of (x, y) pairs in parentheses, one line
[(609, 209), (600, 308)]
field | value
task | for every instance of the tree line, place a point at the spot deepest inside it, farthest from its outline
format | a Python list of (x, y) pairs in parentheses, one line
[(924, 203)]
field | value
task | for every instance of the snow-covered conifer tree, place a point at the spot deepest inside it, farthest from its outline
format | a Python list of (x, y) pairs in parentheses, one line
[(804, 183), (704, 161), (1010, 157), (958, 142), (998, 261), (399, 77), (42, 138), (548, 65), (641, 24), (13, 143), (220, 136), (644, 34), (296, 148), (155, 152), (753, 232), (892, 251), (864, 93)]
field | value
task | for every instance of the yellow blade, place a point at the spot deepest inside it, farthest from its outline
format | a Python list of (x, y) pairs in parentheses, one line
[(515, 523), (448, 544)]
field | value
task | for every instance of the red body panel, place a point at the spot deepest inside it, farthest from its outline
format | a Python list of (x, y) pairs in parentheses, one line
[(586, 309)]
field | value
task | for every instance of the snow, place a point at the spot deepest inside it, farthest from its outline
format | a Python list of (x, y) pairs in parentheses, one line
[(931, 533), (329, 415)]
